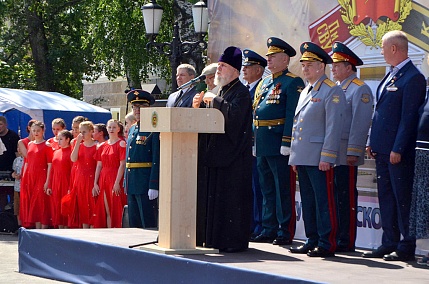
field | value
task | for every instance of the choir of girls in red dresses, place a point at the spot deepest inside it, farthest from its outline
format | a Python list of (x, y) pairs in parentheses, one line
[(89, 172)]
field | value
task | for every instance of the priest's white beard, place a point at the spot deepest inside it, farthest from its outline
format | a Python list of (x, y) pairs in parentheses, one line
[(221, 81)]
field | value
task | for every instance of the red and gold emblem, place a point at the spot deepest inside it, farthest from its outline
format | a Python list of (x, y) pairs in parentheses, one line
[(356, 14)]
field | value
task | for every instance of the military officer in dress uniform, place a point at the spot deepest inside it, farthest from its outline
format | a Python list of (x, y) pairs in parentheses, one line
[(253, 69), (142, 167), (316, 136), (275, 101), (356, 122)]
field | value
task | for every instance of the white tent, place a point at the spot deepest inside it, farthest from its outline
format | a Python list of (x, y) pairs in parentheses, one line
[(18, 106)]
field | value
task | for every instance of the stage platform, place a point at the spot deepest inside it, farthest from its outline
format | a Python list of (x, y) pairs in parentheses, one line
[(104, 256)]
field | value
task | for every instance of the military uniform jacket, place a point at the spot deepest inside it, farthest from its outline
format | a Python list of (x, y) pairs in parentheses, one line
[(395, 119), (276, 98), (316, 131), (356, 119), (142, 147)]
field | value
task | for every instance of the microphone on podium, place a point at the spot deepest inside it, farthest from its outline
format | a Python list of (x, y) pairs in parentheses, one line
[(193, 82)]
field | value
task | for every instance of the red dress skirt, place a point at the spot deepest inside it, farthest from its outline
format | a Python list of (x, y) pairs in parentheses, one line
[(84, 182), (38, 158), (60, 183), (110, 157)]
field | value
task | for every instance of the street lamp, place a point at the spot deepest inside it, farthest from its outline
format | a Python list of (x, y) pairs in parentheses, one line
[(152, 14)]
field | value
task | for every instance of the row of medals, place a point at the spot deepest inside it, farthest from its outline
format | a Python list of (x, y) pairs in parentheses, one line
[(273, 99)]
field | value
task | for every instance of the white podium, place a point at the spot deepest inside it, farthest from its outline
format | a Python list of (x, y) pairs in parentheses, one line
[(179, 128)]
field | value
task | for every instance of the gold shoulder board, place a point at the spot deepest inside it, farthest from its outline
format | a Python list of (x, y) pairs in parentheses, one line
[(329, 83), (291, 75), (358, 81)]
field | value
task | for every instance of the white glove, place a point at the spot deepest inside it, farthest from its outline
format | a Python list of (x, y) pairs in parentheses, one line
[(152, 193), (285, 151), (254, 151)]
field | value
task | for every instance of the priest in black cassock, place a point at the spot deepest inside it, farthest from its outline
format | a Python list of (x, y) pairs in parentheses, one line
[(228, 158)]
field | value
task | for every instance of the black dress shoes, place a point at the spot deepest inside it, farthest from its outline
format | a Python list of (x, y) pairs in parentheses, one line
[(378, 253), (262, 239), (280, 241), (305, 248), (320, 252), (398, 256)]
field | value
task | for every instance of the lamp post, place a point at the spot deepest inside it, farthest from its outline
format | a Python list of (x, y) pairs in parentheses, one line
[(152, 14)]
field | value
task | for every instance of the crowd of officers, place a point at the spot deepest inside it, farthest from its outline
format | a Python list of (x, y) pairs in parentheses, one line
[(317, 133), (279, 129)]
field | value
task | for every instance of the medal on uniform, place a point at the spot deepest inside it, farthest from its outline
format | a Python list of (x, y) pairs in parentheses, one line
[(392, 88)]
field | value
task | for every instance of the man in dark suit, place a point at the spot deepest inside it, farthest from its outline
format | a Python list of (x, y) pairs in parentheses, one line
[(392, 143), (253, 69), (183, 98)]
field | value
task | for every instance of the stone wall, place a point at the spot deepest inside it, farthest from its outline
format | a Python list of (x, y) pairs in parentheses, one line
[(111, 94)]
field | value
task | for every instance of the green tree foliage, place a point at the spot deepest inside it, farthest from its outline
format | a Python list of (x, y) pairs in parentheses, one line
[(16, 66), (53, 44), (41, 45), (117, 38)]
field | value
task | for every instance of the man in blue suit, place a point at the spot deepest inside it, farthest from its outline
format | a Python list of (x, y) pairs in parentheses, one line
[(183, 98), (392, 144), (253, 69)]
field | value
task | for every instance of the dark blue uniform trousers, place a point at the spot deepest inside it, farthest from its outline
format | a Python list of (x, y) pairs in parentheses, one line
[(142, 212), (278, 207), (395, 186), (318, 206), (346, 196)]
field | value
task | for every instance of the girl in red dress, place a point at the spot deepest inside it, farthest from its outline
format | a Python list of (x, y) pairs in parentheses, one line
[(100, 133), (58, 124), (83, 155), (108, 182), (73, 220), (77, 120), (23, 195), (60, 177), (36, 173)]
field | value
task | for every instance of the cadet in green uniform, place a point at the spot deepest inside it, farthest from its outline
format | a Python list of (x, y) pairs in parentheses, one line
[(274, 106), (142, 167)]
